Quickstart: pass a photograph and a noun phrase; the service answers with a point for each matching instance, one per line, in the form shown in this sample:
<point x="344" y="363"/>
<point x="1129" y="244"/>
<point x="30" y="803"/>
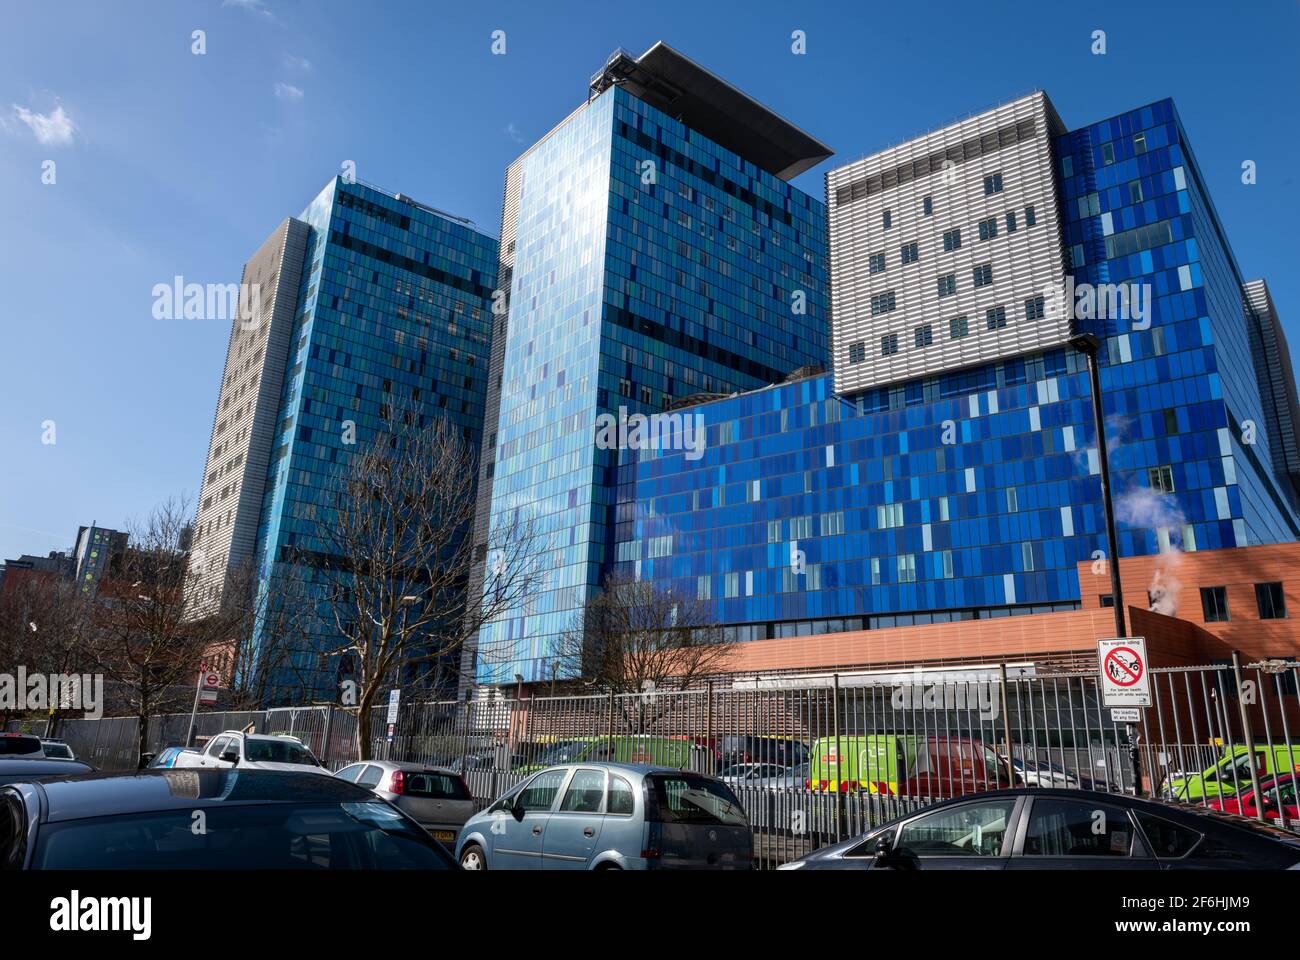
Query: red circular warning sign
<point x="1123" y="666"/>
<point x="212" y="680"/>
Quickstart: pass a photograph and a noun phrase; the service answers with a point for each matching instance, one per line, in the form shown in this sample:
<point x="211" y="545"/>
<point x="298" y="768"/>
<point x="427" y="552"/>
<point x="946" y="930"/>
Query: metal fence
<point x="815" y="759"/>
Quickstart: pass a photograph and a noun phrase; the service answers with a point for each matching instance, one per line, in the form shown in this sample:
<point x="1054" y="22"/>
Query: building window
<point x="927" y="206"/>
<point x="1108" y="153"/>
<point x="908" y="253"/>
<point x="924" y="336"/>
<point x="1030" y="219"/>
<point x="887" y="219"/>
<point x="889" y="516"/>
<point x="995" y="317"/>
<point x="958" y="327"/>
<point x="882" y="303"/>
<point x="1106" y="600"/>
<point x="988" y="228"/>
<point x="906" y="568"/>
<point x="1135" y="191"/>
<point x="704" y="588"/>
<point x="1161" y="478"/>
<point x="1067" y="166"/>
<point x="1140" y="143"/>
<point x="875" y="571"/>
<point x="876" y="263"/>
<point x="952" y="239"/>
<point x="1027" y="556"/>
<point x="1011" y="221"/>
<point x="1214" y="604"/>
<point x="992" y="184"/>
<point x="889" y="344"/>
<point x="948" y="285"/>
<point x="858" y="351"/>
<point x="982" y="275"/>
<point x="1271" y="601"/>
<point x="1171" y="421"/>
<point x="1013" y="501"/>
<point x="1034" y="308"/>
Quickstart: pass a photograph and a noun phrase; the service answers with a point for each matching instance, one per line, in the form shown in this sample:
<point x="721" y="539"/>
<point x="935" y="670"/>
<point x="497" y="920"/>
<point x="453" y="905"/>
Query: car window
<point x="969" y="830"/>
<point x="689" y="798"/>
<point x="1169" y="840"/>
<point x="13" y="821"/>
<point x="435" y="786"/>
<point x="19" y="745"/>
<point x="370" y="777"/>
<point x="350" y="773"/>
<point x="284" y="836"/>
<point x="585" y="792"/>
<point x="59" y="751"/>
<point x="216" y="747"/>
<point x="540" y="793"/>
<point x="1077" y="828"/>
<point x="278" y="751"/>
<point x="621" y="802"/>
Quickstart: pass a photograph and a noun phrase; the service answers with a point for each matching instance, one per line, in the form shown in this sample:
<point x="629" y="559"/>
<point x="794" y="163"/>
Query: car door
<point x="571" y="835"/>
<point x="517" y="839"/>
<point x="1068" y="833"/>
<point x="965" y="836"/>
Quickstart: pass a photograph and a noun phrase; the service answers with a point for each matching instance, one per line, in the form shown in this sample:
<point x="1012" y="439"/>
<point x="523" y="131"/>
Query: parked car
<point x="251" y="750"/>
<point x="1032" y="828"/>
<point x="610" y="816"/>
<point x="908" y="765"/>
<point x="434" y="797"/>
<point x="681" y="752"/>
<point x="166" y="757"/>
<point x="253" y="820"/>
<point x="57" y="749"/>
<point x="782" y="751"/>
<point x="1279" y="800"/>
<point x="21" y="745"/>
<point x="13" y="769"/>
<point x="766" y="776"/>
<point x="1231" y="772"/>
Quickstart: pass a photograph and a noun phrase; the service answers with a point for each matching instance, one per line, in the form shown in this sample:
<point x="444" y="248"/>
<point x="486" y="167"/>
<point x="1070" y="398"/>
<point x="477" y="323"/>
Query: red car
<point x="1279" y="800"/>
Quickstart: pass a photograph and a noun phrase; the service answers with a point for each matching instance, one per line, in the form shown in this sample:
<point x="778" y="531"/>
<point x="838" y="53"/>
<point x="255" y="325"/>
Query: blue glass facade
<point x="976" y="492"/>
<point x="650" y="264"/>
<point x="393" y="312"/>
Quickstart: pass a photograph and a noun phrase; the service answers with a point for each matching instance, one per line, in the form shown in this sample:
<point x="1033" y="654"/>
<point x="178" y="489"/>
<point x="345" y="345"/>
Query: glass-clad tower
<point x="972" y="489"/>
<point x="652" y="249"/>
<point x="390" y="307"/>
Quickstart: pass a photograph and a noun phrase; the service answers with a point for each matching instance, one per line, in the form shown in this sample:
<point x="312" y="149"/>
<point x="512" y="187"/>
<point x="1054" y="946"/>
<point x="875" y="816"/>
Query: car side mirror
<point x="517" y="810"/>
<point x="145" y="760"/>
<point x="884" y="848"/>
<point x="229" y="756"/>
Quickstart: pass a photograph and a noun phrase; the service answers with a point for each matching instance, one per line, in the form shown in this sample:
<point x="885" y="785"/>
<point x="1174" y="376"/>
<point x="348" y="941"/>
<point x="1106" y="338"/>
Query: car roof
<point x="41" y="767"/>
<point x="110" y="794"/>
<point x="406" y="766"/>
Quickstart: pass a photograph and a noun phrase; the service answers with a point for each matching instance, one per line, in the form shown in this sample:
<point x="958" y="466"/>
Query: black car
<point x="1032" y="828"/>
<point x="39" y="768"/>
<point x="782" y="751"/>
<point x="208" y="820"/>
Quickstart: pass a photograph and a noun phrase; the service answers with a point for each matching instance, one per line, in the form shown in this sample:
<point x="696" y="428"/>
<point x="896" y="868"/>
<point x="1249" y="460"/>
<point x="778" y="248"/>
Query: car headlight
<point x="793" y="865"/>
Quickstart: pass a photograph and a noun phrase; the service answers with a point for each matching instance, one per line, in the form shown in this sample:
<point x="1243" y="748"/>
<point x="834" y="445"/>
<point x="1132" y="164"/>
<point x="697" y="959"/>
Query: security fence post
<point x="1006" y="729"/>
<point x="1248" y="737"/>
<point x="839" y="760"/>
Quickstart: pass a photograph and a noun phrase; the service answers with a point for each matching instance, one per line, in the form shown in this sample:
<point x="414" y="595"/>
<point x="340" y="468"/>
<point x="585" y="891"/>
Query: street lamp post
<point x="1088" y="345"/>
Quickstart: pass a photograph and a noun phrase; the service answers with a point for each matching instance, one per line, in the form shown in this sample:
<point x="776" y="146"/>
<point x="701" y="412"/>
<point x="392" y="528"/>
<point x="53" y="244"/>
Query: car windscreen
<point x="683" y="798"/>
<point x="19" y="746"/>
<point x="57" y="751"/>
<point x="277" y="751"/>
<point x="435" y="786"/>
<point x="284" y="836"/>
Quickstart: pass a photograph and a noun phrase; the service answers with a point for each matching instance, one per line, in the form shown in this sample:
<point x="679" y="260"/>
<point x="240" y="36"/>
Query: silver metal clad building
<point x="941" y="247"/>
<point x="243" y="428"/>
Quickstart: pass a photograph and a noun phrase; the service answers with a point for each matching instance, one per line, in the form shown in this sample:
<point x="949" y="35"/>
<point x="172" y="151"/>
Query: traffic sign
<point x="1126" y="715"/>
<point x="1123" y="668"/>
<point x="393" y="697"/>
<point x="211" y="680"/>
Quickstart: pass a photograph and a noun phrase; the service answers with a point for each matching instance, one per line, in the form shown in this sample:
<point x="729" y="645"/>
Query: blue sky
<point x="170" y="163"/>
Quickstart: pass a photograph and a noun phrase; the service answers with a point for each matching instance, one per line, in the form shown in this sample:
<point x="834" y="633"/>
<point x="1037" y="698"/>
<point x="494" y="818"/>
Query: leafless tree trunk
<point x="633" y="637"/>
<point x="396" y="555"/>
<point x="42" y="623"/>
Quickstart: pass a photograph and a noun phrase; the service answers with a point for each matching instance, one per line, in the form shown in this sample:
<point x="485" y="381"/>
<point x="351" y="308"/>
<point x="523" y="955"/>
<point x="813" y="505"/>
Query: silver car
<point x="610" y="816"/>
<point x="435" y="797"/>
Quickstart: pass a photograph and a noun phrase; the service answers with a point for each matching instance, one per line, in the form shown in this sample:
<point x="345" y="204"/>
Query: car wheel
<point x="609" y="866"/>
<point x="472" y="858"/>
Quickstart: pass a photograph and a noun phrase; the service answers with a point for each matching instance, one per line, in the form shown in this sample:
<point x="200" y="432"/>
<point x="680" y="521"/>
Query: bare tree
<point x="140" y="637"/>
<point x="42" y="624"/>
<point x="396" y="556"/>
<point x="633" y="637"/>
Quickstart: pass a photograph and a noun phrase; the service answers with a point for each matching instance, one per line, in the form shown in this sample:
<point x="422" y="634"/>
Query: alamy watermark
<point x="24" y="691"/>
<point x="1126" y="302"/>
<point x="209" y="301"/>
<point x="655" y="431"/>
<point x="923" y="693"/>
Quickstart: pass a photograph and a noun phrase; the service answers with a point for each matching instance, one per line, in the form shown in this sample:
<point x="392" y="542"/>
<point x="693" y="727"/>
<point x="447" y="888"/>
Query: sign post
<point x="205" y="691"/>
<point x="394" y="698"/>
<point x="1126" y="684"/>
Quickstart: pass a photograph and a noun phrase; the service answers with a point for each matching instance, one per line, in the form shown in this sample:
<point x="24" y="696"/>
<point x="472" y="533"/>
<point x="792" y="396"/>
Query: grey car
<point x="434" y="797"/>
<point x="610" y="816"/>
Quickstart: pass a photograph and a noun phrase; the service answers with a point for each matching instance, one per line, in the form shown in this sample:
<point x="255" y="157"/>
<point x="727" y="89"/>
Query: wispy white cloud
<point x="287" y="91"/>
<point x="301" y="64"/>
<point x="252" y="6"/>
<point x="513" y="133"/>
<point x="53" y="129"/>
